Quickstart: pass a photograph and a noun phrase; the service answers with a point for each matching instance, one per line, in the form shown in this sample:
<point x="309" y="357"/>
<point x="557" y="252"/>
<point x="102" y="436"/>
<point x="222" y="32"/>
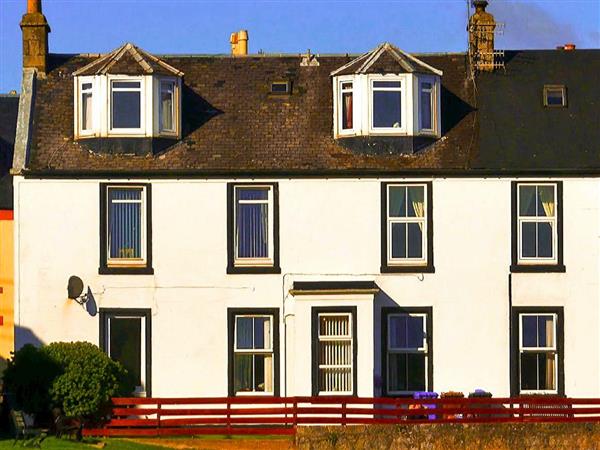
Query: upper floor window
<point x="126" y="105"/>
<point x="125" y="238"/>
<point x="536" y="225"/>
<point x="407" y="227"/>
<point x="253" y="242"/>
<point x="386" y="100"/>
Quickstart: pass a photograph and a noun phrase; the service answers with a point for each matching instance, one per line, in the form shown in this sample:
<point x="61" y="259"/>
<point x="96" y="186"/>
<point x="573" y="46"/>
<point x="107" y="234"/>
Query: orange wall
<point x="6" y="284"/>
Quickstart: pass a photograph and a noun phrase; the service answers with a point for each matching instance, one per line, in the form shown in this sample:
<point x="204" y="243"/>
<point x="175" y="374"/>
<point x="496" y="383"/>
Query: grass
<point x="52" y="443"/>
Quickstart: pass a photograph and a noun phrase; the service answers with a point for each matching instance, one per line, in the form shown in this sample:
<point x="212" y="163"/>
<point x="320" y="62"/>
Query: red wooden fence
<point x="282" y="415"/>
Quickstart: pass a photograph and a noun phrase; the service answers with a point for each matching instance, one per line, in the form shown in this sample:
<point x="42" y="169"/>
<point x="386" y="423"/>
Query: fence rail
<point x="282" y="415"/>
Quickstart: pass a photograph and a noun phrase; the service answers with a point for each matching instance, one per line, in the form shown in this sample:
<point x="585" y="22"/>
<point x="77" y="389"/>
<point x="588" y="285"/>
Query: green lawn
<point x="52" y="443"/>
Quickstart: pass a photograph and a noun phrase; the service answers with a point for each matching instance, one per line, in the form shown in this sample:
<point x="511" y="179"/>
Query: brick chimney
<point x="35" y="37"/>
<point x="239" y="43"/>
<point x="481" y="37"/>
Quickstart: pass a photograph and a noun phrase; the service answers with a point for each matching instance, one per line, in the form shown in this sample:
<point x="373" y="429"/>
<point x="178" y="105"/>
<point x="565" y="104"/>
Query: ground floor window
<point x="125" y="337"/>
<point x="407" y="350"/>
<point x="253" y="353"/>
<point x="334" y="351"/>
<point x="538" y="350"/>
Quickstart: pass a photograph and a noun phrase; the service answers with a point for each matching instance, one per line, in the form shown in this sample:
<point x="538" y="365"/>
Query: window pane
<point x="86" y="111"/>
<point x="397" y="332"/>
<point x="529" y="371"/>
<point x="387" y="84"/>
<point x="252" y="193"/>
<point x="415" y="333"/>
<point x="545" y="201"/>
<point x="416" y="201"/>
<point x="544" y="235"/>
<point x="545" y="331"/>
<point x="347" y="110"/>
<point x="554" y="97"/>
<point x="399" y="240"/>
<point x="262" y="333"/>
<point x="406" y="332"/>
<point x="242" y="372"/>
<point x="528" y="239"/>
<point x="538" y="371"/>
<point x="527" y="194"/>
<point x="252" y="231"/>
<point x="397" y="201"/>
<point x="387" y="109"/>
<point x="244" y="332"/>
<point x="166" y="106"/>
<point x="529" y="331"/>
<point x="415" y="240"/>
<point x="335" y="379"/>
<point x="426" y="109"/>
<point x="126" y="110"/>
<point x="126" y="84"/>
<point x="124" y="223"/>
<point x="126" y="345"/>
<point x="406" y="372"/>
<point x="86" y="86"/>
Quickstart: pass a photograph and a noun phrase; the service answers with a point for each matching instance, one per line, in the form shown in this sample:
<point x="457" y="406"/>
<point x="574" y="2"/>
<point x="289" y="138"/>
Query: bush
<point x="75" y="376"/>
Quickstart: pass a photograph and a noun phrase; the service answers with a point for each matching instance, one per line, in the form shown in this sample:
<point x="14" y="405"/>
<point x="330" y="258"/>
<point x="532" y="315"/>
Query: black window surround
<point x="107" y="313"/>
<point x="514" y="344"/>
<point x="315" y="311"/>
<point x="232" y="268"/>
<point x="536" y="268"/>
<point x="104" y="268"/>
<point x="406" y="268"/>
<point x="385" y="313"/>
<point x="231" y="314"/>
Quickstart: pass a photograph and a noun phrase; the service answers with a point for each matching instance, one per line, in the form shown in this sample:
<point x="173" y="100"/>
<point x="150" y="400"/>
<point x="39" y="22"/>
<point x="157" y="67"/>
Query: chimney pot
<point x="569" y="47"/>
<point x="34" y="6"/>
<point x="239" y="43"/>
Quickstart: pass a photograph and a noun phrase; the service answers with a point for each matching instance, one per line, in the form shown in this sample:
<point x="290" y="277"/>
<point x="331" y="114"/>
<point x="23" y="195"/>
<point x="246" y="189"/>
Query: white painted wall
<point x="329" y="229"/>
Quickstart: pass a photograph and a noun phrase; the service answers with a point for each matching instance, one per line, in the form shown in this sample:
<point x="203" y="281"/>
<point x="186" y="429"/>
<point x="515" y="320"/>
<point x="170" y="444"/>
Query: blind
<point x="125" y="223"/>
<point x="335" y="353"/>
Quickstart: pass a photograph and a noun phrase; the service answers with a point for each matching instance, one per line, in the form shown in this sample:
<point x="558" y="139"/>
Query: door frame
<point x="107" y="313"/>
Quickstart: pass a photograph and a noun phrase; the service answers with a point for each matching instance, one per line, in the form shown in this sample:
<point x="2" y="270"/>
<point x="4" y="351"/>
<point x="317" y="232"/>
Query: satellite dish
<point x="75" y="287"/>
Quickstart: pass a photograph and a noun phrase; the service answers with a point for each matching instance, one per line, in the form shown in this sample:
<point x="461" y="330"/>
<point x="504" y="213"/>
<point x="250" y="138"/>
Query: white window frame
<point x="255" y="262"/>
<point x="433" y="101"/>
<point x="555" y="87"/>
<point x="340" y="109"/>
<point x="537" y="219"/>
<point x="139" y="390"/>
<point x="348" y="337"/>
<point x="419" y="220"/>
<point x="552" y="349"/>
<point x="174" y="105"/>
<point x="403" y="112"/>
<point x="79" y="101"/>
<point x="424" y="349"/>
<point x="128" y="262"/>
<point x="251" y="351"/>
<point x="141" y="90"/>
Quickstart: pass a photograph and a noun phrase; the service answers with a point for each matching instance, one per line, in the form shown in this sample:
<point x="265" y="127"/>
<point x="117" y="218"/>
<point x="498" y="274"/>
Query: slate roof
<point x="232" y="125"/>
<point x="9" y="107"/>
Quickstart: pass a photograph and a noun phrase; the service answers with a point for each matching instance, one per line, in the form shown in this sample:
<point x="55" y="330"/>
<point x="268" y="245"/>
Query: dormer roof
<point x="128" y="60"/>
<point x="386" y="58"/>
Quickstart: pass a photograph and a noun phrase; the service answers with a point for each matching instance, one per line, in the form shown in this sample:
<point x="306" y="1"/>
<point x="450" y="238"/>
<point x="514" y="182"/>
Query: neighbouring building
<point x="373" y="224"/>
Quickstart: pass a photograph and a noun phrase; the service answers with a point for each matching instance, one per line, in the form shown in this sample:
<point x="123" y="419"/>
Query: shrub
<point x="75" y="376"/>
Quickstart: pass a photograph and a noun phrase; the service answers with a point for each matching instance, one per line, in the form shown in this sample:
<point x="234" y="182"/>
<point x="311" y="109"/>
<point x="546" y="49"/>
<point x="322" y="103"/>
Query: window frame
<point x="232" y="314"/>
<point x="115" y="266"/>
<point x="433" y="103"/>
<point x="529" y="264"/>
<point x="516" y="347"/>
<point x="80" y="81"/>
<point x="237" y="265"/>
<point x="316" y="312"/>
<point x="341" y="131"/>
<point x="142" y="90"/>
<point x="407" y="265"/>
<point x="287" y="84"/>
<point x="403" y="111"/>
<point x="386" y="314"/>
<point x="174" y="106"/>
<point x="554" y="87"/>
<point x="106" y="314"/>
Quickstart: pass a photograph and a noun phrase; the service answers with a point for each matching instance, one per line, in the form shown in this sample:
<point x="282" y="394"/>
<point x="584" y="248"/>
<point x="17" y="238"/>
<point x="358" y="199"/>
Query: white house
<point x="302" y="225"/>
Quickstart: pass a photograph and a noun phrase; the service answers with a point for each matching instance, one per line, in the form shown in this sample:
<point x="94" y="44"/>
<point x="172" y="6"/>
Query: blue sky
<point x="196" y="26"/>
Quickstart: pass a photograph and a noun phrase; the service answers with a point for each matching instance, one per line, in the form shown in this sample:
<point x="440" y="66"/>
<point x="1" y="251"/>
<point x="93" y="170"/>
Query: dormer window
<point x="386" y="105"/>
<point x="555" y="96"/>
<point x="144" y="103"/>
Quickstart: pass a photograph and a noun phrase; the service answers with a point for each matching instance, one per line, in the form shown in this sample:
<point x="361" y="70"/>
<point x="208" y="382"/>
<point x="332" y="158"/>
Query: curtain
<point x="335" y="354"/>
<point x="417" y="198"/>
<point x="347" y="110"/>
<point x="426" y="108"/>
<point x="252" y="227"/>
<point x="86" y="111"/>
<point x="550" y="382"/>
<point x="125" y="220"/>
<point x="166" y="107"/>
<point x="268" y="374"/>
<point x="546" y="194"/>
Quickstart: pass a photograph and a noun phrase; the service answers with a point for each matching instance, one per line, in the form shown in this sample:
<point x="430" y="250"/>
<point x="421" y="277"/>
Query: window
<point x="407" y="225"/>
<point x="126" y="98"/>
<point x="253" y="242"/>
<point x="125" y="336"/>
<point x="426" y="106"/>
<point x="125" y="239"/>
<point x="334" y="358"/>
<point x="280" y="87"/>
<point x="166" y="116"/>
<point x="86" y="107"/>
<point x="407" y="350"/>
<point x="387" y="104"/>
<point x="253" y="351"/>
<point x="537" y="224"/>
<point x="555" y="96"/>
<point x="539" y="362"/>
<point x="347" y="105"/>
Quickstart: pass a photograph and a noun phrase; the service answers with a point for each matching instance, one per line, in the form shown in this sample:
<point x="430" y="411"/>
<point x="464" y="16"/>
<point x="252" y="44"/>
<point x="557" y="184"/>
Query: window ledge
<point x="407" y="269"/>
<point x="233" y="270"/>
<point x="538" y="268"/>
<point x="125" y="271"/>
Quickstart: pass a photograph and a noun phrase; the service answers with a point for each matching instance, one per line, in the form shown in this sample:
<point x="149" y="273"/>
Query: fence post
<point x="295" y="414"/>
<point x="158" y="405"/>
<point x="344" y="404"/>
<point x="228" y="417"/>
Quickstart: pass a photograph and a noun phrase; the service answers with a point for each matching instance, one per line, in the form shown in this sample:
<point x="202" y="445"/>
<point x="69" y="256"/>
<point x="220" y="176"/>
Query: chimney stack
<point x="481" y="37"/>
<point x="239" y="43"/>
<point x="35" y="30"/>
